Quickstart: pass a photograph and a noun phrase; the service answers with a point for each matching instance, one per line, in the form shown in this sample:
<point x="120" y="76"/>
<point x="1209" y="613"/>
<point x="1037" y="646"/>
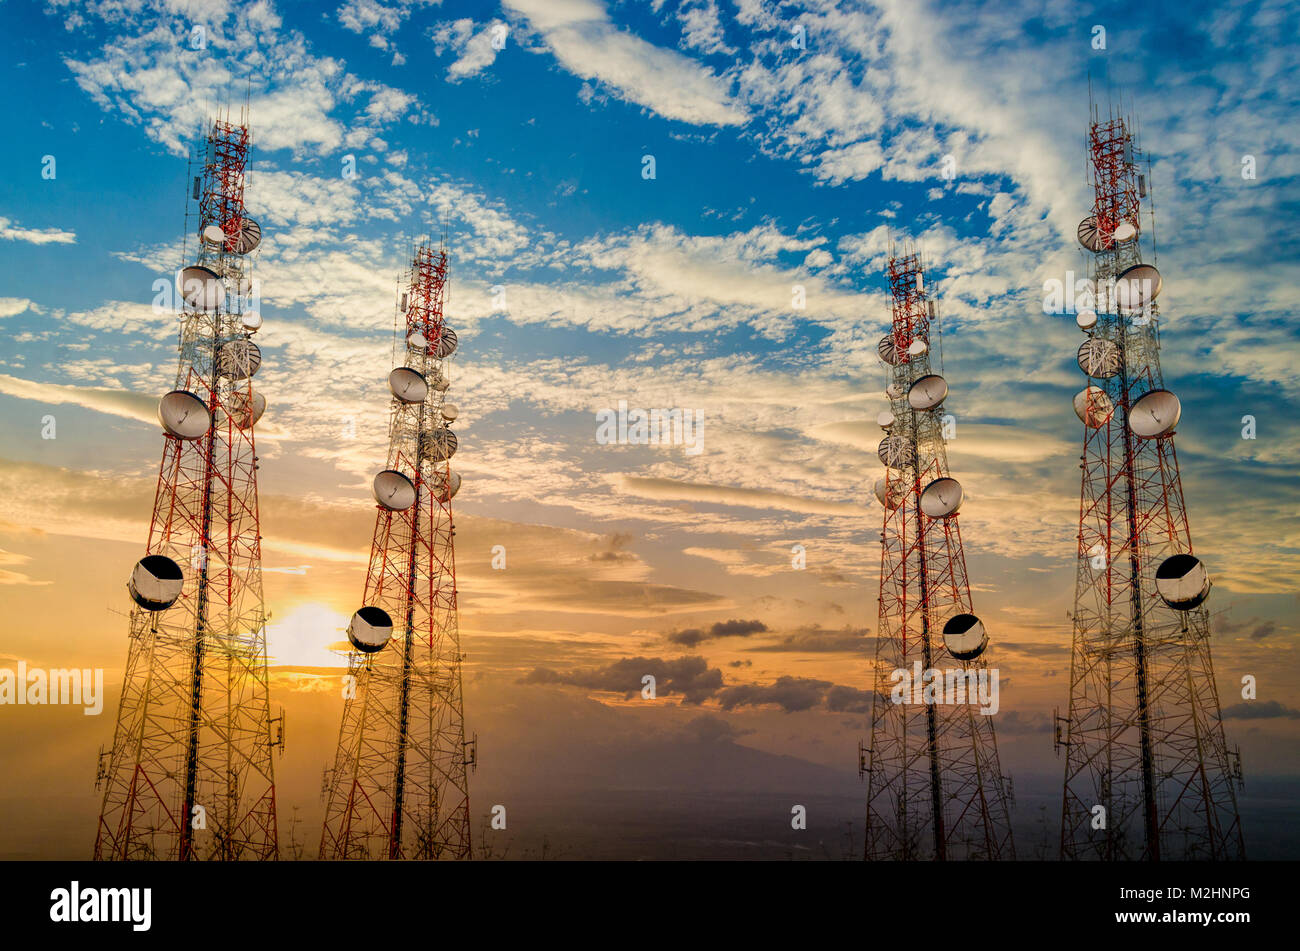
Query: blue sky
<point x="775" y="166"/>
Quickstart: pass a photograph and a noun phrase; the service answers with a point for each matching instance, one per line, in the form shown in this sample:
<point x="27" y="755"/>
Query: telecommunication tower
<point x="935" y="786"/>
<point x="189" y="774"/>
<point x="1148" y="772"/>
<point x="399" y="786"/>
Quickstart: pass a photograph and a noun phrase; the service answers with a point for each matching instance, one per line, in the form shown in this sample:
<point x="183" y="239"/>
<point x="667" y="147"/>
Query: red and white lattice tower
<point x="189" y="774"/>
<point x="399" y="786"/>
<point x="1148" y="773"/>
<point x="935" y="787"/>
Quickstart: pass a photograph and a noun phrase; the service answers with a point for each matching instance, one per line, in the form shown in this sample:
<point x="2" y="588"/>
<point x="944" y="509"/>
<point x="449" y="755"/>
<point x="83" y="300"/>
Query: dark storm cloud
<point x="734" y="628"/>
<point x="690" y="677"/>
<point x="1260" y="710"/>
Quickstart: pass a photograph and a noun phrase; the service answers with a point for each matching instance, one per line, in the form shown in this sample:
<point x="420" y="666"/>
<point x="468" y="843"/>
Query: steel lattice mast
<point x="935" y="786"/>
<point x="1144" y="739"/>
<point x="399" y="787"/>
<point x="189" y="774"/>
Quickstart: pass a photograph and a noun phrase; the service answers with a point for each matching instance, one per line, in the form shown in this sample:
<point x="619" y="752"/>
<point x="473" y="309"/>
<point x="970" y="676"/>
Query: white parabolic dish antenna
<point x="1137" y="286"/>
<point x="882" y="488"/>
<point x="885" y="419"/>
<point x="894" y="451"/>
<point x="408" y="385"/>
<point x="201" y="288"/>
<point x="965" y="637"/>
<point x="251" y="321"/>
<point x="1098" y="358"/>
<point x="887" y="350"/>
<point x="439" y="445"/>
<point x="450" y="411"/>
<point x="1125" y="231"/>
<point x="394" y="491"/>
<point x="453" y="481"/>
<point x="1093" y="406"/>
<point x="927" y="392"/>
<point x="247" y="237"/>
<point x="239" y="359"/>
<point x="446" y="343"/>
<point x="212" y="234"/>
<point x="415" y="340"/>
<point x="245" y="411"/>
<point x="1182" y="582"/>
<point x="184" y="415"/>
<point x="1155" y="414"/>
<point x="1089" y="236"/>
<point x="370" y="629"/>
<point x="156" y="582"/>
<point x="893" y="391"/>
<point x="941" y="498"/>
<point x="1086" y="319"/>
<point x="916" y="347"/>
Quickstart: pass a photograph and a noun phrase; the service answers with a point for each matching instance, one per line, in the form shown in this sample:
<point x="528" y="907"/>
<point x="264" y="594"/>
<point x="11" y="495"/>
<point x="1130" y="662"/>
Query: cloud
<point x="1260" y="710"/>
<point x="689" y="677"/>
<point x="814" y="639"/>
<point x="10" y="230"/>
<point x="653" y="488"/>
<point x="587" y="44"/>
<point x="791" y="694"/>
<point x="692" y="637"/>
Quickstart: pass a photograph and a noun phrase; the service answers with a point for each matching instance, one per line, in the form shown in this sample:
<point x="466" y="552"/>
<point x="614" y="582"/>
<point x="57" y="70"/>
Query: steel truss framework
<point x="935" y="786"/>
<point x="189" y="774"/>
<point x="399" y="788"/>
<point x="1143" y="738"/>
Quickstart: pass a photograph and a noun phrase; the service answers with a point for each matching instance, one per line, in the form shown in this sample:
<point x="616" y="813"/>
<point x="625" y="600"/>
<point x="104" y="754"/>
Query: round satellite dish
<point x="1155" y="414"/>
<point x="916" y="348"/>
<point x="201" y="288"/>
<point x="238" y="359"/>
<point x="370" y="629"/>
<point x="450" y="411"/>
<point x="1086" y="319"/>
<point x="893" y="391"/>
<point x="408" y="385"/>
<point x="964" y="636"/>
<point x="1093" y="406"/>
<point x="895" y="452"/>
<point x="885" y="419"/>
<point x="394" y="491"/>
<point x="184" y="415"/>
<point x="1137" y="286"/>
<point x="882" y="490"/>
<point x="927" y="392"/>
<point x="941" y="498"/>
<point x="1089" y="236"/>
<point x="246" y="409"/>
<point x="446" y="343"/>
<point x="251" y="321"/>
<point x="453" y="482"/>
<point x="416" y="341"/>
<point x="212" y="234"/>
<point x="247" y="236"/>
<point x="888" y="351"/>
<point x="1098" y="358"/>
<point x="1182" y="582"/>
<point x="1125" y="231"/>
<point x="156" y="582"/>
<point x="438" y="445"/>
